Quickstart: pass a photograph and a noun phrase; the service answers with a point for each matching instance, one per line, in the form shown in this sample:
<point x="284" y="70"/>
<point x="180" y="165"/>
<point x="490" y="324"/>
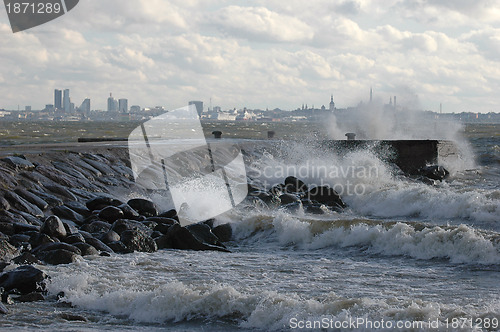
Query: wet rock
<point x="156" y="234"/>
<point x="56" y="246"/>
<point x="69" y="169"/>
<point x="53" y="227"/>
<point x="315" y="208"/>
<point x="18" y="163"/>
<point x="18" y="240"/>
<point x="169" y="214"/>
<point x="99" y="245"/>
<point x="100" y="202"/>
<point x="60" y="177"/>
<point x="7" y="250"/>
<point x="143" y="206"/>
<point x="163" y="224"/>
<point x="292" y="207"/>
<point x="288" y="199"/>
<point x="60" y="190"/>
<point x="97" y="227"/>
<point x="51" y="199"/>
<point x="7" y="179"/>
<point x="165" y="241"/>
<point x="59" y="256"/>
<point x="119" y="247"/>
<point x="137" y="240"/>
<point x="86" y="249"/>
<point x="269" y="199"/>
<point x="32" y="220"/>
<point x="78" y="208"/>
<point x="294" y="185"/>
<point x="26" y="279"/>
<point x="26" y="258"/>
<point x="128" y="211"/>
<point x="65" y="212"/>
<point x="88" y="168"/>
<point x="122" y="225"/>
<point x="182" y="238"/>
<point x="72" y="317"/>
<point x="100" y="166"/>
<point x="326" y="195"/>
<point x="33" y="199"/>
<point x="434" y="172"/>
<point x="74" y="238"/>
<point x="223" y="232"/>
<point x="111" y="214"/>
<point x="7" y="228"/>
<point x="23" y="228"/>
<point x="70" y="226"/>
<point x="3" y="309"/>
<point x="4" y="204"/>
<point x="31" y="297"/>
<point x="10" y="216"/>
<point x="40" y="239"/>
<point x="23" y="205"/>
<point x="204" y="234"/>
<point x="110" y="236"/>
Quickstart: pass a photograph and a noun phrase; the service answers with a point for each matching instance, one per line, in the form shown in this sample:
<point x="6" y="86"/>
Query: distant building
<point x="112" y="104"/>
<point x="332" y="104"/>
<point x="58" y="99"/>
<point x="123" y="105"/>
<point x="85" y="107"/>
<point x="27" y="108"/>
<point x="135" y="109"/>
<point x="66" y="101"/>
<point x="199" y="106"/>
<point x="217" y="109"/>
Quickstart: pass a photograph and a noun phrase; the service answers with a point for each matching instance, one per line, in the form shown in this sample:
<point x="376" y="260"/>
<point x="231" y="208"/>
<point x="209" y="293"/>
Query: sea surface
<point x="403" y="254"/>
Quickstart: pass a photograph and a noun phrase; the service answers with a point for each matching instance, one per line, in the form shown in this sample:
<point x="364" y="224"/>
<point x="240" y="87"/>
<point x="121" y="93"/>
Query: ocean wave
<point x="460" y="244"/>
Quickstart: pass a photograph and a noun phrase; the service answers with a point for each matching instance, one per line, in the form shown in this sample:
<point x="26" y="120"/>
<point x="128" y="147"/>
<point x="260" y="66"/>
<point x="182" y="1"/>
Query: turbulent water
<point x="403" y="252"/>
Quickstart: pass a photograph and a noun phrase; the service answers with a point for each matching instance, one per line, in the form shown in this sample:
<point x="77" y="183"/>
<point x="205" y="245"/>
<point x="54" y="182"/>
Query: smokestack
<point x="394" y="102"/>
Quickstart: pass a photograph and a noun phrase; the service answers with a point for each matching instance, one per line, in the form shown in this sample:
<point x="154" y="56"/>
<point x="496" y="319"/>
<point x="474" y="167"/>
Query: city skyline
<point x="263" y="55"/>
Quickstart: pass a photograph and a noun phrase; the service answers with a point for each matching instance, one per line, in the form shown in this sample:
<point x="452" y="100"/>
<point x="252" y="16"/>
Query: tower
<point x="66" y="101"/>
<point x="332" y="104"/>
<point x="199" y="106"/>
<point x="58" y="99"/>
<point x="112" y="104"/>
<point x="122" y="105"/>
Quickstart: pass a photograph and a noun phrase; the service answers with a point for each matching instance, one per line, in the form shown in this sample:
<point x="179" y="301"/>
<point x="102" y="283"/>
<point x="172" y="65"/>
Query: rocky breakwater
<point x="58" y="206"/>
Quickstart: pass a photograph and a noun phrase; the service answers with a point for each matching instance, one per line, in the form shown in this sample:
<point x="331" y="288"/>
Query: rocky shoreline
<point x="59" y="205"/>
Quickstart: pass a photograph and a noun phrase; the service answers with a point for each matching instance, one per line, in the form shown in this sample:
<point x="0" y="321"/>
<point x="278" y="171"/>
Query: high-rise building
<point x="66" y="101"/>
<point x="123" y="105"/>
<point x="58" y="99"/>
<point x="199" y="106"/>
<point x="85" y="106"/>
<point x="112" y="104"/>
<point x="332" y="105"/>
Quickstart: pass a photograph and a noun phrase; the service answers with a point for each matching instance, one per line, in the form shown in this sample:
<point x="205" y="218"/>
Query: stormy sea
<point x="402" y="253"/>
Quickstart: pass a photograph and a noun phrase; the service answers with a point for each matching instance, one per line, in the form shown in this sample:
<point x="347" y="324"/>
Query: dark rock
<point x="169" y="214"/>
<point x="40" y="239"/>
<point x="32" y="220"/>
<point x="223" y="232"/>
<point x="10" y="216"/>
<point x="32" y="198"/>
<point x="78" y="208"/>
<point x="26" y="258"/>
<point x="111" y="214"/>
<point x="163" y="224"/>
<point x="60" y="190"/>
<point x="59" y="256"/>
<point x="51" y="199"/>
<point x="122" y="225"/>
<point x="288" y="199"/>
<point x="74" y="238"/>
<point x="7" y="250"/>
<point x="164" y="241"/>
<point x="22" y="228"/>
<point x="204" y="234"/>
<point x="69" y="169"/>
<point x="7" y="228"/>
<point x="25" y="279"/>
<point x="270" y="199"/>
<point x="86" y="235"/>
<point x="53" y="227"/>
<point x="100" y="166"/>
<point x="22" y="205"/>
<point x="67" y="213"/>
<point x="144" y="207"/>
<point x="315" y="208"/>
<point x="86" y="249"/>
<point x="292" y="207"/>
<point x="18" y="239"/>
<point x="128" y="211"/>
<point x="19" y="163"/>
<point x="156" y="234"/>
<point x="100" y="202"/>
<point x="7" y="179"/>
<point x="294" y="185"/>
<point x="325" y="195"/>
<point x="149" y="224"/>
<point x="72" y="317"/>
<point x="60" y="177"/>
<point x="85" y="194"/>
<point x="99" y="245"/>
<point x="277" y="189"/>
<point x="119" y="247"/>
<point x="110" y="236"/>
<point x="56" y="246"/>
<point x="31" y="297"/>
<point x="70" y="226"/>
<point x="3" y="309"/>
<point x="137" y="240"/>
<point x="4" y="204"/>
<point x="434" y="172"/>
<point x="182" y="238"/>
<point x="97" y="227"/>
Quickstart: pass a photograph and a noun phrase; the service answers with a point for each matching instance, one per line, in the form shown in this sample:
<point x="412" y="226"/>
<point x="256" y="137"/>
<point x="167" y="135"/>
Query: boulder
<point x="203" y="233"/>
<point x="111" y="214"/>
<point x="53" y="227"/>
<point x="22" y="205"/>
<point x="99" y="245"/>
<point x="181" y="238"/>
<point x="74" y="238"/>
<point x="56" y="246"/>
<point x="223" y="232"/>
<point x="143" y="206"/>
<point x="66" y="213"/>
<point x="128" y="211"/>
<point x="325" y="195"/>
<point x="288" y="199"/>
<point x="7" y="250"/>
<point x="100" y="202"/>
<point x="434" y="172"/>
<point x="294" y="185"/>
<point x="137" y="240"/>
<point x="31" y="297"/>
<point x="86" y="249"/>
<point x="26" y="258"/>
<point x="59" y="256"/>
<point x="97" y="227"/>
<point x="4" y="204"/>
<point x="32" y="198"/>
<point x="60" y="190"/>
<point x="19" y="163"/>
<point x="51" y="199"/>
<point x="25" y="279"/>
<point x="169" y="214"/>
<point x="122" y="225"/>
<point x="78" y="208"/>
<point x="110" y="236"/>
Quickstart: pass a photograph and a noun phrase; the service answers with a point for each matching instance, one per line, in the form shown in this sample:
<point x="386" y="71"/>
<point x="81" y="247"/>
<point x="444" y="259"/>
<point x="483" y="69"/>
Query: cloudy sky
<point x="259" y="54"/>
